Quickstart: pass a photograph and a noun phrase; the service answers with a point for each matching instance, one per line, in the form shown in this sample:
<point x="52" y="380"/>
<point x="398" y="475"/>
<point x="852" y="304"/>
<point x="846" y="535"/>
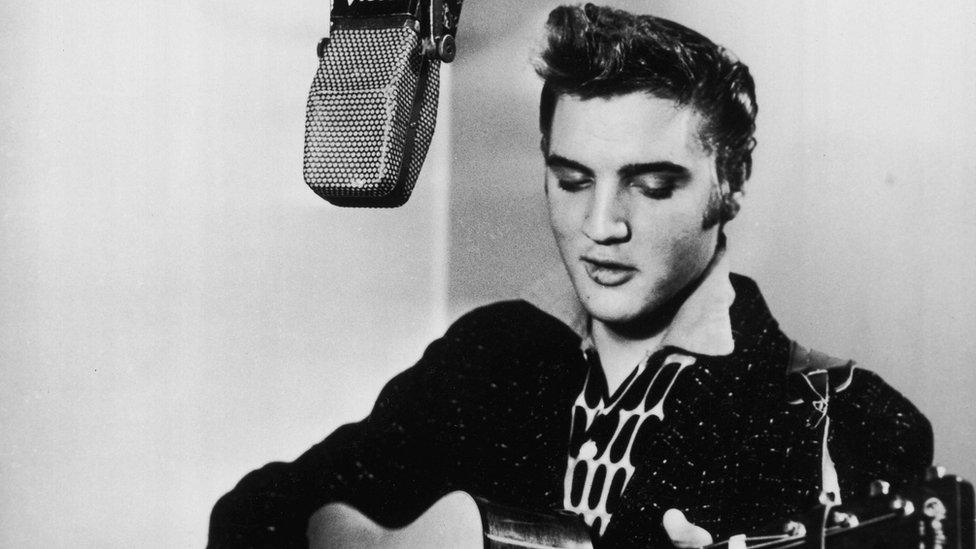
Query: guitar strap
<point x="804" y="360"/>
<point x="813" y="378"/>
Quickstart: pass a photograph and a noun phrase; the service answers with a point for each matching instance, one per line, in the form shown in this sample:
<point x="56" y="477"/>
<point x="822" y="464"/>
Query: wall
<point x="178" y="308"/>
<point x="858" y="222"/>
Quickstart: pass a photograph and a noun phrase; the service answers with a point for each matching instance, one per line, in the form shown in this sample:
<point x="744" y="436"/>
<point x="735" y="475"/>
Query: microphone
<point x="373" y="102"/>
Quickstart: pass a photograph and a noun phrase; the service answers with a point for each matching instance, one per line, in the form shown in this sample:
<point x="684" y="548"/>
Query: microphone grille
<point x="371" y="115"/>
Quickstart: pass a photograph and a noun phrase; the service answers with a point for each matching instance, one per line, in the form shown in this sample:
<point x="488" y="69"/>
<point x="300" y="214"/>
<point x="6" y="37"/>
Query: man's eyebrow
<point x="556" y="161"/>
<point x="662" y="167"/>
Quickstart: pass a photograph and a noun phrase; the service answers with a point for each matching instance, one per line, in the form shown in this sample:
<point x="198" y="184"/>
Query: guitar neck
<point x="938" y="514"/>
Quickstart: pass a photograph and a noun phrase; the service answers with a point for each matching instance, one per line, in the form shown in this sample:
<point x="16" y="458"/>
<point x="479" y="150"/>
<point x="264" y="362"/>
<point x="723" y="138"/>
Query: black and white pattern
<point x="604" y="430"/>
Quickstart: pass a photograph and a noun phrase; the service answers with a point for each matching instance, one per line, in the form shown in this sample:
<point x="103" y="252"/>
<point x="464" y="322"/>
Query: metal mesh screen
<point x="360" y="146"/>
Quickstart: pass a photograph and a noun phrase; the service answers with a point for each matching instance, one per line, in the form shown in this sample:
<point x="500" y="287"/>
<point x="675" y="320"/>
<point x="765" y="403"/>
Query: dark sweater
<point x="487" y="409"/>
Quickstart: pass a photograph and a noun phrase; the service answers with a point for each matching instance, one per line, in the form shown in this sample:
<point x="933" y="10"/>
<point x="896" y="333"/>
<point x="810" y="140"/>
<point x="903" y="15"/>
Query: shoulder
<point x="859" y="397"/>
<point x="511" y="322"/>
<point x="500" y="339"/>
<point x="505" y="362"/>
<point x="875" y="431"/>
<point x="878" y="433"/>
<point x="870" y="397"/>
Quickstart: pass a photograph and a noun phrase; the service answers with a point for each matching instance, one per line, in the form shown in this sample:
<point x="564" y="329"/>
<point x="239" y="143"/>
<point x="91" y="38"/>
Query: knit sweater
<point x="487" y="409"/>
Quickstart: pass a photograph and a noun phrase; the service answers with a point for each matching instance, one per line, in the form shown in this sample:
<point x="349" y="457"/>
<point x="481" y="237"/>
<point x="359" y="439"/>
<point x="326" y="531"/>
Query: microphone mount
<point x="440" y="42"/>
<point x="437" y="21"/>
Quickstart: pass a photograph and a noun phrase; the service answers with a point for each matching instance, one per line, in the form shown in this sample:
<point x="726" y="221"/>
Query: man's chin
<point x="623" y="312"/>
<point x="613" y="313"/>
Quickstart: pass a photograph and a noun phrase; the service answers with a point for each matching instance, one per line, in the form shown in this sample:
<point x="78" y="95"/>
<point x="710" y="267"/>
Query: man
<point x="659" y="381"/>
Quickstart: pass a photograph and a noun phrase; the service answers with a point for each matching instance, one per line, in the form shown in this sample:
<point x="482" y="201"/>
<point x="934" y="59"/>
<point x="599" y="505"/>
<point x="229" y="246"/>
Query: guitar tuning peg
<point x="906" y="507"/>
<point x="934" y="509"/>
<point x="737" y="542"/>
<point x="828" y="498"/>
<point x="879" y="488"/>
<point x="845" y="520"/>
<point x="795" y="529"/>
<point x="935" y="473"/>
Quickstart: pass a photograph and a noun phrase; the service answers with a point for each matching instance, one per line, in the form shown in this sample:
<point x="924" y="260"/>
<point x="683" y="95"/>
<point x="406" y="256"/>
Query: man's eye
<point x="573" y="185"/>
<point x="656" y="189"/>
<point x="657" y="193"/>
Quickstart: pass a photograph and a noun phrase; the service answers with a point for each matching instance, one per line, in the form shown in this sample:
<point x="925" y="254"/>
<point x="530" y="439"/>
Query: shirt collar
<point x="701" y="325"/>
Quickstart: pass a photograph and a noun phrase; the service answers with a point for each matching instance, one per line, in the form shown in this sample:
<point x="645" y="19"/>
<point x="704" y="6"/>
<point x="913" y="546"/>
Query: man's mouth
<point x="607" y="272"/>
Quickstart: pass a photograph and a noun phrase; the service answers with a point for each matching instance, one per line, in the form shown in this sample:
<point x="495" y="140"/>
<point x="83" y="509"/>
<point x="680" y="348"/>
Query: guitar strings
<point x="766" y="540"/>
<point x="786" y="541"/>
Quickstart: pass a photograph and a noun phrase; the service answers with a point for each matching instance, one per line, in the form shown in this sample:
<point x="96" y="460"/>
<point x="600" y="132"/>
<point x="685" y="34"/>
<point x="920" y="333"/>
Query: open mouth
<point x="608" y="273"/>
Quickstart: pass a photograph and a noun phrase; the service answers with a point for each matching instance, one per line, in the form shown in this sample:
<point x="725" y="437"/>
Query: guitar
<point x="937" y="514"/>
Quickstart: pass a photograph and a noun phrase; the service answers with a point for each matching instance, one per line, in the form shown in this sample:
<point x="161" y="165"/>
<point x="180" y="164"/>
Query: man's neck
<point x="623" y="347"/>
<point x="619" y="354"/>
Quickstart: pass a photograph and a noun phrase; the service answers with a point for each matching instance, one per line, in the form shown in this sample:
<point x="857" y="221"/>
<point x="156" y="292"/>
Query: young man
<point x="655" y="379"/>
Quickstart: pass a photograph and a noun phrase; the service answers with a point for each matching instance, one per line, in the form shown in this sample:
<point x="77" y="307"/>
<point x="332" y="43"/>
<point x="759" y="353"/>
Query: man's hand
<point x="683" y="533"/>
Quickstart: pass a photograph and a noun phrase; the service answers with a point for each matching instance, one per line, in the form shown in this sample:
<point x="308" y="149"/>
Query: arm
<point x="386" y="465"/>
<point x="493" y="395"/>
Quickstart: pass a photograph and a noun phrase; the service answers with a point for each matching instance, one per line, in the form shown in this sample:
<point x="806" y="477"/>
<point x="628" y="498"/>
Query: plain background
<point x="177" y="308"/>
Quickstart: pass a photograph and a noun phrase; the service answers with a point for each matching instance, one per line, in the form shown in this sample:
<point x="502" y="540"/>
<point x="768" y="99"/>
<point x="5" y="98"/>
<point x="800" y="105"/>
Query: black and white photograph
<point x="463" y="274"/>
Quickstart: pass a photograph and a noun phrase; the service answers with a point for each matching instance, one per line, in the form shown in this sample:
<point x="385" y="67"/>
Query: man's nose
<point x="606" y="218"/>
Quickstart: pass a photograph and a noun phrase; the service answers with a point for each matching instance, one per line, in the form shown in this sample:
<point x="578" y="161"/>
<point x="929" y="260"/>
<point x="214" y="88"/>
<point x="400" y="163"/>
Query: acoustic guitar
<point x="937" y="514"/>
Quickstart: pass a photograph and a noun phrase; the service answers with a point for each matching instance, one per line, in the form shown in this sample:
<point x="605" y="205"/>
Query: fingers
<point x="684" y="534"/>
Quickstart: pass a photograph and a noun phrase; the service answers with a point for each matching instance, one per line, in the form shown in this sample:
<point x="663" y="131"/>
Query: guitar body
<point x="454" y="521"/>
<point x="457" y="520"/>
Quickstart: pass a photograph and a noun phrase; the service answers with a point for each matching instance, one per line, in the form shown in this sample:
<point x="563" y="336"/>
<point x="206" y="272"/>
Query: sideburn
<point x="715" y="209"/>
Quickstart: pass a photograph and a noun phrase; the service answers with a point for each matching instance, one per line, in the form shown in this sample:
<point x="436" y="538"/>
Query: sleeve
<point x="876" y="434"/>
<point x="389" y="465"/>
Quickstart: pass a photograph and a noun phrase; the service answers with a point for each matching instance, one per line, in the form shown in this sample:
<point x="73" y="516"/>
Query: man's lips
<point x="607" y="272"/>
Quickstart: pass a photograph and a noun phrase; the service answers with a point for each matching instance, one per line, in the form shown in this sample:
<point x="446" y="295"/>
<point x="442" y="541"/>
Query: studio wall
<point x="177" y="308"/>
<point x="858" y="223"/>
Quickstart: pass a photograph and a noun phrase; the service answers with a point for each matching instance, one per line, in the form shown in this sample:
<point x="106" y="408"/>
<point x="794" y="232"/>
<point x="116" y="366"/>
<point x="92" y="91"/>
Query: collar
<point x="701" y="326"/>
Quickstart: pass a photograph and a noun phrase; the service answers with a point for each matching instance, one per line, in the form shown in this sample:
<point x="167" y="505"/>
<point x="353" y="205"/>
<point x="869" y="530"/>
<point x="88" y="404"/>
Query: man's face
<point x="629" y="186"/>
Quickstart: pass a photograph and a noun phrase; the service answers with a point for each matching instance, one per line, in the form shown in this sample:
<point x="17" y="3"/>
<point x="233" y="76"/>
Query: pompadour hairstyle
<point x="596" y="51"/>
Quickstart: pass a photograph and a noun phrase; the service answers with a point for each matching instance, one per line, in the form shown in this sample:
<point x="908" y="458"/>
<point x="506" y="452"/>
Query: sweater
<point x="488" y="409"/>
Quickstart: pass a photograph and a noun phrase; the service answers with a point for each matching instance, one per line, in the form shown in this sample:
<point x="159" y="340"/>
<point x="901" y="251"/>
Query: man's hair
<point x="596" y="51"/>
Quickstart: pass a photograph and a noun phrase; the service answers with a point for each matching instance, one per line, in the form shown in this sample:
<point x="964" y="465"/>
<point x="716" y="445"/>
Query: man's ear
<point x="730" y="205"/>
<point x="730" y="202"/>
